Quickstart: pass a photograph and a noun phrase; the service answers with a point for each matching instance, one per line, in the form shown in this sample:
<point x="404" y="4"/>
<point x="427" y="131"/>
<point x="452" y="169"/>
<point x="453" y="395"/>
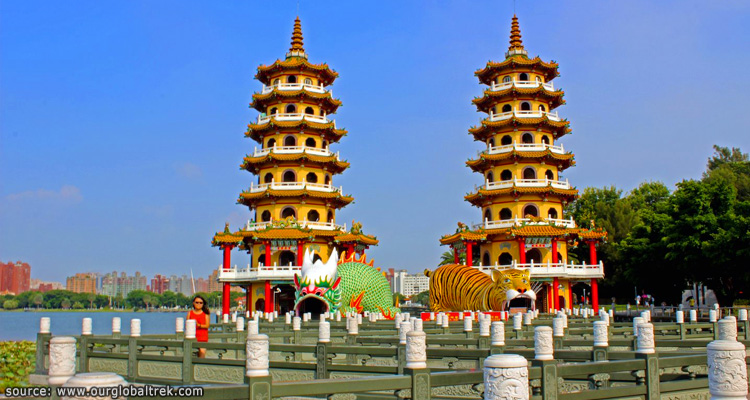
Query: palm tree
<point x="147" y="300"/>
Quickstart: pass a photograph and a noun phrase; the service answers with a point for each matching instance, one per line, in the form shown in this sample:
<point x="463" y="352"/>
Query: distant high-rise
<point x="15" y="277"/>
<point x="81" y="283"/>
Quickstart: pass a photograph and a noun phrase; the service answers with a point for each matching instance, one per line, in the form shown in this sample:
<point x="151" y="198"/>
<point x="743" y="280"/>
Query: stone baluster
<point x="403" y="330"/>
<point x="179" y="324"/>
<point x="62" y="359"/>
<point x="44" y="325"/>
<point x="135" y="327"/>
<point x="240" y="324"/>
<point x="727" y="371"/>
<point x="646" y="344"/>
<point x="527" y="318"/>
<point x="416" y="350"/>
<point x="116" y="325"/>
<point x="558" y="327"/>
<point x="352" y="326"/>
<point x="324" y="332"/>
<point x="439" y="319"/>
<point x="468" y="324"/>
<point x="190" y="326"/>
<point x="543" y="348"/>
<point x="742" y="314"/>
<point x="338" y="316"/>
<point x="432" y="316"/>
<point x="397" y="320"/>
<point x="497" y="334"/>
<point x="712" y="316"/>
<point x="517" y="322"/>
<point x="288" y="318"/>
<point x="601" y="336"/>
<point x="680" y="317"/>
<point x="296" y="323"/>
<point x="418" y="324"/>
<point x="271" y="317"/>
<point x="506" y="376"/>
<point x="94" y="379"/>
<point x="637" y="321"/>
<point x="86" y="327"/>
<point x="253" y="327"/>
<point x="484" y="326"/>
<point x="693" y="316"/>
<point x="225" y="318"/>
<point x="446" y="321"/>
<point x="256" y="348"/>
<point x="359" y="318"/>
<point x="234" y="317"/>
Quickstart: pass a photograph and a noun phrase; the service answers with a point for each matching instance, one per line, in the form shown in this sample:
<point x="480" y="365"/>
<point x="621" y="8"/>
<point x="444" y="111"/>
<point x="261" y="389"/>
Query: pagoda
<point x="523" y="196"/>
<point x="294" y="198"/>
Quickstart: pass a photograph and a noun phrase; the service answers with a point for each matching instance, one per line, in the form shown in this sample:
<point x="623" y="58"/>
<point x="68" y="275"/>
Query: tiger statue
<point x="455" y="287"/>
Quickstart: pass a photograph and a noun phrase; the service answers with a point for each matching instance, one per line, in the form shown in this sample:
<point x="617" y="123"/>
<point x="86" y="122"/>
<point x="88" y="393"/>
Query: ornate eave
<point x="490" y="97"/>
<point x="332" y="165"/>
<point x="251" y="199"/>
<point x="478" y="198"/>
<point x="296" y="65"/>
<point x="329" y="130"/>
<point x="324" y="100"/>
<point x="488" y="128"/>
<point x="517" y="63"/>
<point x="486" y="161"/>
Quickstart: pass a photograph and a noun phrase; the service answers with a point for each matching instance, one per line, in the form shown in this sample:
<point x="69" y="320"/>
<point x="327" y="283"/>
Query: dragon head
<point x="318" y="283"/>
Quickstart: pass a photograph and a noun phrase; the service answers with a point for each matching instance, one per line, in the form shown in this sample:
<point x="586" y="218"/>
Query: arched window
<point x="507" y="79"/>
<point x="506" y="175"/>
<point x="290" y="141"/>
<point x="276" y="81"/>
<point x="286" y="257"/>
<point x="291" y="79"/>
<point x="330" y="216"/>
<point x="527" y="138"/>
<point x="311" y="177"/>
<point x="310" y="142"/>
<point x="491" y="143"/>
<point x="534" y="256"/>
<point x="291" y="109"/>
<point x="261" y="259"/>
<point x="487" y="215"/>
<point x="271" y="143"/>
<point x="507" y="108"/>
<point x="549" y="175"/>
<point x="506" y="140"/>
<point x="486" y="258"/>
<point x="524" y="76"/>
<point x="265" y="216"/>
<point x="542" y="108"/>
<point x="289" y="176"/>
<point x="525" y="106"/>
<point x="505" y="259"/>
<point x="308" y="81"/>
<point x="490" y="177"/>
<point x="309" y="111"/>
<point x="545" y="139"/>
<point x="288" y="212"/>
<point x="313" y="216"/>
<point x="328" y="179"/>
<point x="506" y="214"/>
<point x="530" y="209"/>
<point x="529" y="173"/>
<point x="552" y="214"/>
<point x="273" y="111"/>
<point x="268" y="178"/>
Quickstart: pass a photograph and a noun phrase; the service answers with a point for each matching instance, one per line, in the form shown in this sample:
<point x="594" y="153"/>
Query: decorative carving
<point x="600" y="334"/>
<point x="44" y="325"/>
<point x="727" y="371"/>
<point x="256" y="349"/>
<point x="497" y="333"/>
<point x="62" y="359"/>
<point x="219" y="373"/>
<point x="119" y="367"/>
<point x="728" y="329"/>
<point x="416" y="350"/>
<point x="422" y="386"/>
<point x="506" y="376"/>
<point x="598" y="381"/>
<point x="324" y="332"/>
<point x="645" y="340"/>
<point x="543" y="348"/>
<point x="160" y="369"/>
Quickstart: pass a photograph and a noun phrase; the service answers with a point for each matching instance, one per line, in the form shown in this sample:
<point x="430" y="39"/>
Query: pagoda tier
<point x="545" y="189"/>
<point x="280" y="124"/>
<point x="519" y="91"/>
<point x="517" y="120"/>
<point x="522" y="153"/>
<point x="299" y="65"/>
<point x="280" y="95"/>
<point x="276" y="192"/>
<point x="300" y="155"/>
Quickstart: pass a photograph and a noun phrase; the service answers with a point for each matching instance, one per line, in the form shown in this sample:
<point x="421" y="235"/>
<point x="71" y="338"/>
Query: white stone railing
<point x="316" y="187"/>
<point x="294" y="87"/>
<point x="548" y="270"/>
<point x="524" y="147"/>
<point x="496" y="87"/>
<point x="285" y="272"/>
<point x="294" y="150"/>
<point x="323" y="226"/>
<point x="525" y="183"/>
<point x="522" y="114"/>
<point x="507" y="223"/>
<point x="263" y="119"/>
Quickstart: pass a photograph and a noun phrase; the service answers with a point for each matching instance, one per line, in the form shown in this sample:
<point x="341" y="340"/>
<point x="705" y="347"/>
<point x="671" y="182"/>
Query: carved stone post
<point x="404" y="329"/>
<point x="352" y="326"/>
<point x="497" y="334"/>
<point x="637" y="321"/>
<point x="179" y="325"/>
<point x="727" y="371"/>
<point x="324" y="332"/>
<point x="601" y="336"/>
<point x="87" y="326"/>
<point x="645" y="342"/>
<point x="240" y="324"/>
<point x="252" y="327"/>
<point x="742" y="314"/>
<point x="543" y="348"/>
<point x="135" y="327"/>
<point x="693" y="316"/>
<point x="416" y="350"/>
<point x="190" y="329"/>
<point x="296" y="323"/>
<point x="467" y="324"/>
<point x="62" y="359"/>
<point x="94" y="381"/>
<point x="256" y="348"/>
<point x="44" y="325"/>
<point x="527" y="317"/>
<point x="711" y="315"/>
<point x="484" y="326"/>
<point x="680" y="317"/>
<point x="517" y="322"/>
<point x="506" y="376"/>
<point x="418" y="324"/>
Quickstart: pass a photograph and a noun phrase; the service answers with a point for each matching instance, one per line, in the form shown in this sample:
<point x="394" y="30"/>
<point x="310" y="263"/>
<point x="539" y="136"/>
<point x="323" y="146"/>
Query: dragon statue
<point x="346" y="285"/>
<point x="455" y="287"/>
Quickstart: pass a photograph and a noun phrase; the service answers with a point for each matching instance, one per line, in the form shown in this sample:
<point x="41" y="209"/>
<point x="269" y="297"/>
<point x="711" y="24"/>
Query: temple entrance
<point x="534" y="256"/>
<point x="287" y="258"/>
<point x="561" y="302"/>
<point x="260" y="305"/>
<point x="542" y="302"/>
<point x="284" y="298"/>
<point x="312" y="305"/>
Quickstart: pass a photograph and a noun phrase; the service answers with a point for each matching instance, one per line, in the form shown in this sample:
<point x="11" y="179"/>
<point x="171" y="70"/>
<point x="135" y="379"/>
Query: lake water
<point x="25" y="325"/>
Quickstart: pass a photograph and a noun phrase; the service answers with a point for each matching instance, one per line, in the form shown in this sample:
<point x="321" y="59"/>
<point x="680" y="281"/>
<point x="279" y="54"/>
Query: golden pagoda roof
<point x="256" y="131"/>
<point x="324" y="100"/>
<point x="226" y="237"/>
<point x="334" y="165"/>
<point x="477" y="197"/>
<point x="355" y="235"/>
<point x="297" y="41"/>
<point x="291" y="229"/>
<point x="489" y="128"/>
<point x="525" y="230"/>
<point x="490" y="98"/>
<point x="338" y="200"/>
<point x="486" y="160"/>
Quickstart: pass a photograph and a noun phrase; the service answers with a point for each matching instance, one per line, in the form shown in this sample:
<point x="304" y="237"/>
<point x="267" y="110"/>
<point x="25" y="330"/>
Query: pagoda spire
<point x="297" y="48"/>
<point x="516" y="44"/>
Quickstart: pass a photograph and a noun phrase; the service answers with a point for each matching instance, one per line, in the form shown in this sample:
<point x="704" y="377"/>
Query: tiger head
<point x="515" y="283"/>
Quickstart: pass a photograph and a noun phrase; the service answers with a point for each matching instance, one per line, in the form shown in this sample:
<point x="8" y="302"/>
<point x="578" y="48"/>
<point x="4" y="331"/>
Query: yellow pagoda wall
<point x="323" y="250"/>
<point x="517" y="170"/>
<point x="498" y="247"/>
<point x="516" y="207"/>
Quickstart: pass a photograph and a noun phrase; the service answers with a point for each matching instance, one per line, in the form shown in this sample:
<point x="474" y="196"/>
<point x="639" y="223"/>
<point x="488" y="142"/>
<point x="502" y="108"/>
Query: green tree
<point x="78" y="305"/>
<point x="38" y="299"/>
<point x="65" y="304"/>
<point x="398" y="298"/>
<point x="91" y="297"/>
<point x="448" y="257"/>
<point x="10" y="304"/>
<point x="422" y="298"/>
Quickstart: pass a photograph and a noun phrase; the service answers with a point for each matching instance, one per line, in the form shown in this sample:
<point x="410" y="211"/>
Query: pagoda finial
<point x="516" y="44"/>
<point x="297" y="48"/>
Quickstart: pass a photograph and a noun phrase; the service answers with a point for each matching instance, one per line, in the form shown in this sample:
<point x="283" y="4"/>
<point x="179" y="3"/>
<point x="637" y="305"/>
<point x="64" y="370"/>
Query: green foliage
<point x="398" y="298"/>
<point x="10" y="304"/>
<point x="17" y="361"/>
<point x="448" y="257"/>
<point x="422" y="298"/>
<point x="78" y="305"/>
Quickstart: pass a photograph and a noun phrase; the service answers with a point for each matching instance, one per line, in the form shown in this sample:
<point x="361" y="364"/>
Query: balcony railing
<point x="525" y="183"/>
<point x="524" y="147"/>
<point x="548" y="270"/>
<point x="294" y="150"/>
<point x="323" y="226"/>
<point x="507" y="223"/>
<point x="262" y="272"/>
<point x="294" y="87"/>
<point x="316" y="187"/>
<point x="496" y="87"/>
<point x="523" y="114"/>
<point x="263" y="119"/>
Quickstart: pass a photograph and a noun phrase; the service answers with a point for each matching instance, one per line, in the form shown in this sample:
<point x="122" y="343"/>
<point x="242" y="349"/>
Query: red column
<point x="555" y="257"/>
<point x="268" y="253"/>
<point x="556" y="293"/>
<point x="592" y="252"/>
<point x="522" y="250"/>
<point x="248" y="297"/>
<point x="595" y="295"/>
<point x="225" y="291"/>
<point x="300" y="251"/>
<point x="455" y="255"/>
<point x="269" y="298"/>
<point x="349" y="250"/>
<point x="469" y="256"/>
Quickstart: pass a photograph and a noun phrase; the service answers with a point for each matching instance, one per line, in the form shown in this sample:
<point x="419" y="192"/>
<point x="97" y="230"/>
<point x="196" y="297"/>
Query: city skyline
<point x="150" y="113"/>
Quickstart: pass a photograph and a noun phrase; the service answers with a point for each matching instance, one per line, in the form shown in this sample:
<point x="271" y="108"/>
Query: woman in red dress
<point x="201" y="315"/>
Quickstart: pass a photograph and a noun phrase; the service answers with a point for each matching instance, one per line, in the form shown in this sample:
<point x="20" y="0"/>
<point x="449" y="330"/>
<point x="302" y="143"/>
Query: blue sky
<point x="121" y="125"/>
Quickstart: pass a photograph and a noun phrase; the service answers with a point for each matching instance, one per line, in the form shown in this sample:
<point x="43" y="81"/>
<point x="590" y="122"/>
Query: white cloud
<point x="68" y="194"/>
